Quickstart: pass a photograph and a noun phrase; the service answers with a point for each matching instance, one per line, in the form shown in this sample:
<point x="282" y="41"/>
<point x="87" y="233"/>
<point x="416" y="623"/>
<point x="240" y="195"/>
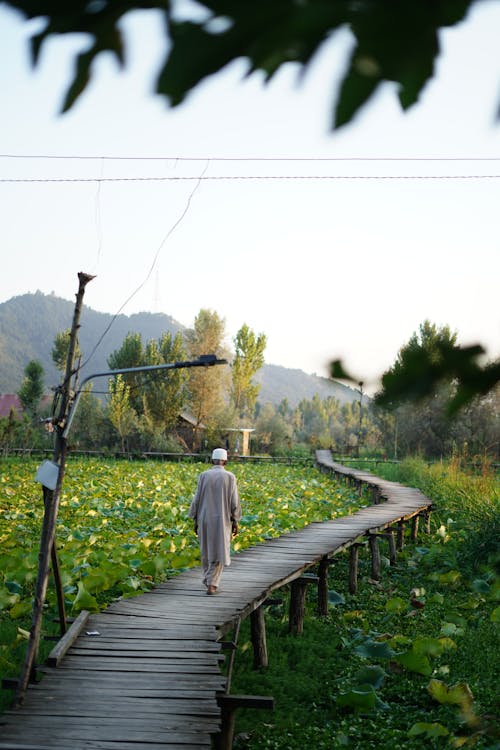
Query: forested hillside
<point x="30" y="322"/>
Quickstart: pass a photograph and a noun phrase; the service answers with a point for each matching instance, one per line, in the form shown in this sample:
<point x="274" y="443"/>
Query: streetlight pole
<point x="360" y="414"/>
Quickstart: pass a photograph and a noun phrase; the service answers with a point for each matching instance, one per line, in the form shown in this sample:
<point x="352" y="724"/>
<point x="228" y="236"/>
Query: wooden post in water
<point x="392" y="547"/>
<point x="258" y="635"/>
<point x="400" y="543"/>
<point x="323" y="586"/>
<point x="51" y="499"/>
<point x="353" y="567"/>
<point x="414" y="528"/>
<point x="427" y="517"/>
<point x="298" y="603"/>
<point x="375" y="555"/>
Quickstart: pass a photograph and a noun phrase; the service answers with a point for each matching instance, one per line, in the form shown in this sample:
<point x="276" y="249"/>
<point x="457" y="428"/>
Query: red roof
<point x="10" y="401"/>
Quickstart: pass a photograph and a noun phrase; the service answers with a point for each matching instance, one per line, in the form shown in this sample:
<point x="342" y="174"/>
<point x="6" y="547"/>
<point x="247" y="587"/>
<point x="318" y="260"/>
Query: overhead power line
<point x="225" y="178"/>
<point x="251" y="158"/>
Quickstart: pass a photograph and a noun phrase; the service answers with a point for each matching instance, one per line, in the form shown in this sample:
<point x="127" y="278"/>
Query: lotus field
<point x="123" y="526"/>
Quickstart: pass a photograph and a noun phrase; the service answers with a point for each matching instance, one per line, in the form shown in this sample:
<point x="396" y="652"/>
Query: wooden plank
<point x="60" y="649"/>
<point x="122" y="706"/>
<point x="146" y="666"/>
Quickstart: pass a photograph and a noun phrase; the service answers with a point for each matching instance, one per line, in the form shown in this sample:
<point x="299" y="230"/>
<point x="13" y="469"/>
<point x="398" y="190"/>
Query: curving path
<point x="146" y="673"/>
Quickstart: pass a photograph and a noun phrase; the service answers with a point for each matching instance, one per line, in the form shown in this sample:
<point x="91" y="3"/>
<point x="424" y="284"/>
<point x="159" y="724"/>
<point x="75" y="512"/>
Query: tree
<point x="31" y="390"/>
<point x="60" y="350"/>
<point x="91" y="429"/>
<point x="120" y="411"/>
<point x="272" y="433"/>
<point x="248" y="359"/>
<point x="165" y="392"/>
<point x="423" y="425"/>
<point x="130" y="354"/>
<point x="207" y="386"/>
<point x="397" y="42"/>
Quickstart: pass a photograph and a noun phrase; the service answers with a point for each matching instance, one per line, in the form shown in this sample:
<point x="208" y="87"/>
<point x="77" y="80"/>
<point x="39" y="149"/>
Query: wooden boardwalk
<point x="146" y="673"/>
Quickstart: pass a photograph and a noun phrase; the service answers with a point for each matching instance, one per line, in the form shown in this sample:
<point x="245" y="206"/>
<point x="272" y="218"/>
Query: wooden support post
<point x="392" y="547"/>
<point x="258" y="635"/>
<point x="375" y="554"/>
<point x="414" y="529"/>
<point x="323" y="587"/>
<point x="401" y="535"/>
<point x="298" y="604"/>
<point x="427" y="521"/>
<point x="229" y="705"/>
<point x="353" y="568"/>
<point x="232" y="655"/>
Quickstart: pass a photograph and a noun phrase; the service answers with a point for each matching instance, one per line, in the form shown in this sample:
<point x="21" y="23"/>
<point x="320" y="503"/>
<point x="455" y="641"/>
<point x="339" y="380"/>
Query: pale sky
<point x="325" y="268"/>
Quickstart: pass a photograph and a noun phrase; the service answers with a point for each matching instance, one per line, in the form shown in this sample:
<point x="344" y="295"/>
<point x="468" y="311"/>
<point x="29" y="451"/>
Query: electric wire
<point x="221" y="178"/>
<point x="250" y="158"/>
<point x="155" y="259"/>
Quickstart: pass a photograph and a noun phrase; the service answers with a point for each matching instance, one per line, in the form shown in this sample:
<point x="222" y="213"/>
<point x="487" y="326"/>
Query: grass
<point x="454" y="571"/>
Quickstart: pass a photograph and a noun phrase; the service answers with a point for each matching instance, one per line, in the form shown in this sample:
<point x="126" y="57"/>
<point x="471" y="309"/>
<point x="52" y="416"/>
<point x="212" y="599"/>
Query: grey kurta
<point x="215" y="506"/>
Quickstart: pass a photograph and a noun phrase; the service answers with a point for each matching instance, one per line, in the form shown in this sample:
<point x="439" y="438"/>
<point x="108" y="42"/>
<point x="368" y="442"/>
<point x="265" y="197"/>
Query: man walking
<point x="216" y="511"/>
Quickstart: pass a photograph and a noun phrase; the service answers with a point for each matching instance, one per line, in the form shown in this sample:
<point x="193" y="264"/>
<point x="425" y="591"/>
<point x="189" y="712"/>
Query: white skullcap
<point x="219" y="454"/>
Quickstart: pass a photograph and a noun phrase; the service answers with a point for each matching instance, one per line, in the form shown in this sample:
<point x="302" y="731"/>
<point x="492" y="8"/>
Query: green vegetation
<point x="397" y="43"/>
<point x="123" y="526"/>
<point x="411" y="659"/>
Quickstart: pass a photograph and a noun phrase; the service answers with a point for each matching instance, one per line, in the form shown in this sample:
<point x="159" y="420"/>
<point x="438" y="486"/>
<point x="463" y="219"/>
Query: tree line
<point x="183" y="410"/>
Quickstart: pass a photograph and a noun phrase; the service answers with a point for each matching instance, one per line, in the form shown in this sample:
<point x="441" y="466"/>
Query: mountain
<point x="279" y="382"/>
<point x="30" y="322"/>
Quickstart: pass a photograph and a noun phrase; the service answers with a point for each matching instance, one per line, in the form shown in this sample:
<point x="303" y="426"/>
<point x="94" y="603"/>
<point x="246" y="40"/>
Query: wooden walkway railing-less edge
<point x="146" y="672"/>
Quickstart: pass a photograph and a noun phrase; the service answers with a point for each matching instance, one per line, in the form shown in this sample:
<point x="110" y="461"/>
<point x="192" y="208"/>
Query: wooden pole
<point x="375" y="553"/>
<point x="353" y="568"/>
<point x="47" y="539"/>
<point x="258" y="636"/>
<point x="414" y="529"/>
<point x="323" y="587"/>
<point x="298" y="604"/>
<point x="427" y="527"/>
<point x="401" y="535"/>
<point x="47" y="500"/>
<point x="392" y="547"/>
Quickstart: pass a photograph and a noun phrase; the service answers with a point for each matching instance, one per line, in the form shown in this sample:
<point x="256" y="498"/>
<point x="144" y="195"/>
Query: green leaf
<point x="449" y="629"/>
<point x="357" y="87"/>
<point x="396" y="604"/>
<point x="335" y="598"/>
<point x="432" y="647"/>
<point x="7" y="599"/>
<point x="481" y="586"/>
<point x="337" y="372"/>
<point x="415" y="662"/>
<point x="371" y="649"/>
<point x="495" y="615"/>
<point x="450" y="578"/>
<point x="436" y="598"/>
<point x="363" y="698"/>
<point x="372" y="675"/>
<point x="84" y="600"/>
<point x="456" y="695"/>
<point x="21" y="609"/>
<point x="13" y="587"/>
<point x="429" y="730"/>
